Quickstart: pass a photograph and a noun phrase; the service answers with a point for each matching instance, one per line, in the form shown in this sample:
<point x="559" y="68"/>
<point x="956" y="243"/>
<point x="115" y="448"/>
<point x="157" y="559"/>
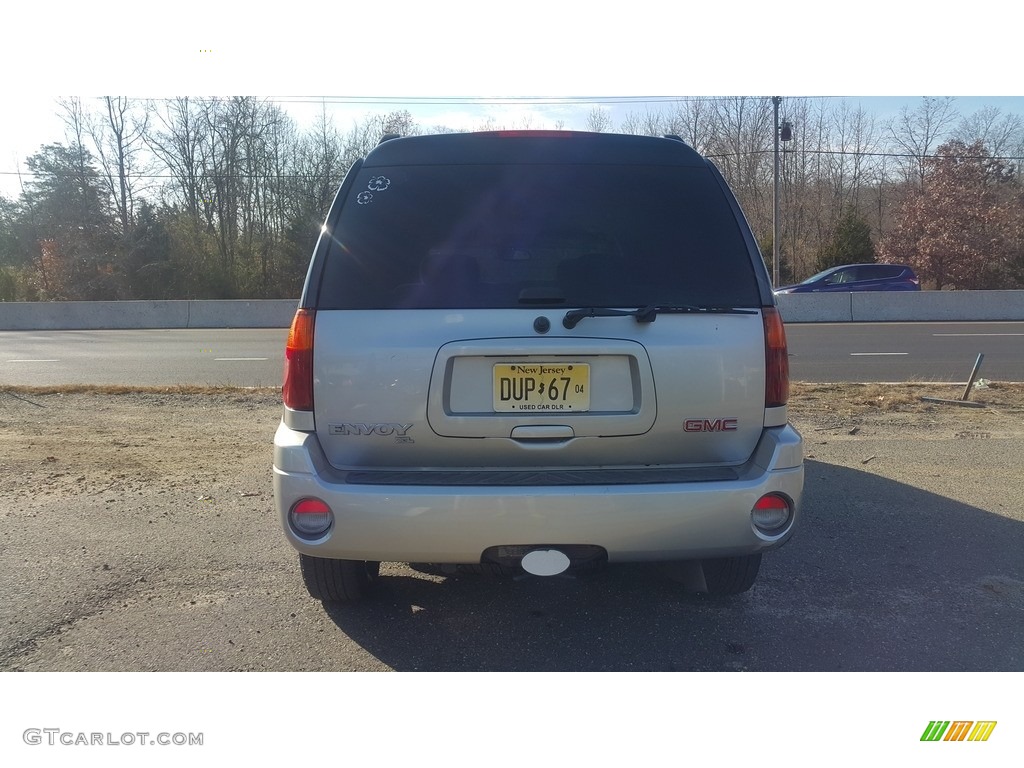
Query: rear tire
<point x="731" y="575"/>
<point x="490" y="570"/>
<point x="338" y="581"/>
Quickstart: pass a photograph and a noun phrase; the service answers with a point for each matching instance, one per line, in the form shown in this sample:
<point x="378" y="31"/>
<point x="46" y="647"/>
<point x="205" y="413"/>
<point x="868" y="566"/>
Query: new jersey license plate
<point x="542" y="387"/>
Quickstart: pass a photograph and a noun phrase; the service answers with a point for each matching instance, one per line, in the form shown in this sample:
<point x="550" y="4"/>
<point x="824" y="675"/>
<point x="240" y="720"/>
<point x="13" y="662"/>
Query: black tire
<point x="490" y="570"/>
<point x="731" y="575"/>
<point x="338" y="581"/>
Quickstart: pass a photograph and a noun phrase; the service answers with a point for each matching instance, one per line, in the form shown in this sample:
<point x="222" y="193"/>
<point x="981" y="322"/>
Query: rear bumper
<point x="455" y="524"/>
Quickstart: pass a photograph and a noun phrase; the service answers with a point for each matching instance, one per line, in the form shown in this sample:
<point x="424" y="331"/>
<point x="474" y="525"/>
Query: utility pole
<point x="776" y="100"/>
<point x="785" y="132"/>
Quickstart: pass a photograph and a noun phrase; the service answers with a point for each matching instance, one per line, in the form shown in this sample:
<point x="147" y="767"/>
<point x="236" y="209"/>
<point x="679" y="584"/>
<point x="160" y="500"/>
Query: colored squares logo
<point x="958" y="730"/>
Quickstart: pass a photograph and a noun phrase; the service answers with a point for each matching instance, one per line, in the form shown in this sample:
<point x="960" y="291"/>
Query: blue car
<point x="858" y="277"/>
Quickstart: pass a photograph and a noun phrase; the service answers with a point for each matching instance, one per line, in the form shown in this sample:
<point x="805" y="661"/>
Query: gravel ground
<point x="137" y="532"/>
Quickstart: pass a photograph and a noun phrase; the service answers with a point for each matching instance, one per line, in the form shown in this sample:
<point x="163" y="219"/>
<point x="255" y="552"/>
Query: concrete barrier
<point x="815" y="307"/>
<point x="86" y="315"/>
<point x="98" y="315"/>
<point x="270" y="313"/>
<point x="935" y="306"/>
<point x="909" y="306"/>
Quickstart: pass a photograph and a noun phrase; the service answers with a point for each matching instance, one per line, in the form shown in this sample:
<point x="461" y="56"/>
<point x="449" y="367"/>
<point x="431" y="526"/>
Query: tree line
<point x="224" y="198"/>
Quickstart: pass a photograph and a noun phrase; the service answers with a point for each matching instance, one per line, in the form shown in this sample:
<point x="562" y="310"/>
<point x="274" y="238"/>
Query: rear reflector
<point x="776" y="358"/>
<point x="310" y="517"/>
<point x="310" y="507"/>
<point x="297" y="392"/>
<point x="770" y="513"/>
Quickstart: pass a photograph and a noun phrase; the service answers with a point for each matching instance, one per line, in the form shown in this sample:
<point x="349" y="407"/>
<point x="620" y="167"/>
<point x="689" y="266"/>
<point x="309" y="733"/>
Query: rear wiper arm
<point x="647" y="314"/>
<point x="573" y="316"/>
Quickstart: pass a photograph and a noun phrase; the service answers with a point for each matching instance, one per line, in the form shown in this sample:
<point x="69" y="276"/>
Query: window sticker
<point x="376" y="184"/>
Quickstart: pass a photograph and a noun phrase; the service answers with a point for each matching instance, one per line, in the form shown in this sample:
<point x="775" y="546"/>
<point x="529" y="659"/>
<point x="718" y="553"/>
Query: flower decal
<point x="379" y="183"/>
<point x="364" y="198"/>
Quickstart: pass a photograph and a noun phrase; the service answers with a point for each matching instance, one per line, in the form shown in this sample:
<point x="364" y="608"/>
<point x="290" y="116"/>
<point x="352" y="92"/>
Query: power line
<point x="98" y="176"/>
<point x="906" y="156"/>
<point x="418" y="101"/>
<point x="471" y="100"/>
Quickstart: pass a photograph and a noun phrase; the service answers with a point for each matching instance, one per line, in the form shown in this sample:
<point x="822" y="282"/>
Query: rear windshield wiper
<point x="647" y="314"/>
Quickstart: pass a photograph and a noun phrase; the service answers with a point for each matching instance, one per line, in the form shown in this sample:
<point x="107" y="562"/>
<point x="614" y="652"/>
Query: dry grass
<point x="112" y="389"/>
<point x="849" y="398"/>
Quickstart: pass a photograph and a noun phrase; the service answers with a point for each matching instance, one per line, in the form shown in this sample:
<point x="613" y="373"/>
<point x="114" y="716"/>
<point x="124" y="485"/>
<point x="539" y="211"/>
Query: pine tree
<point x="851" y="244"/>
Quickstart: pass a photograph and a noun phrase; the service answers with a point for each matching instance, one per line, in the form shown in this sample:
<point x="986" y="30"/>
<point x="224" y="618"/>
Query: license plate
<point x="542" y="387"/>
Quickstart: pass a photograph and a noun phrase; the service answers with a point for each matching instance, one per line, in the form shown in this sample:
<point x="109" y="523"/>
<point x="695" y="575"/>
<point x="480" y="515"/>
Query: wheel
<point x="338" y="581"/>
<point x="731" y="575"/>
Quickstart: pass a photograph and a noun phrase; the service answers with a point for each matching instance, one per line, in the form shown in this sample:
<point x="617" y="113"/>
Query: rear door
<point x="432" y="389"/>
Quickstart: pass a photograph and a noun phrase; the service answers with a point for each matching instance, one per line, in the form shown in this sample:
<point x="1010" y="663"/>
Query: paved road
<point x="905" y="351"/>
<point x="253" y="357"/>
<point x="237" y="357"/>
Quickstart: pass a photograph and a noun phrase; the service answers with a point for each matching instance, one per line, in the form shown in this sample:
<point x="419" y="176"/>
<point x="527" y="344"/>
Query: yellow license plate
<point x="542" y="387"/>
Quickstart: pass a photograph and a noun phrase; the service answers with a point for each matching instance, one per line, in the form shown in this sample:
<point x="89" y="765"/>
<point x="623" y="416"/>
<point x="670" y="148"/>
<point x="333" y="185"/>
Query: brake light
<point x="536" y="133"/>
<point x="776" y="358"/>
<point x="297" y="391"/>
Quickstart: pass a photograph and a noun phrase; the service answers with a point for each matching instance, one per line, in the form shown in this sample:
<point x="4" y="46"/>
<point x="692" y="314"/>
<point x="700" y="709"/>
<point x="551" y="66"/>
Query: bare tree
<point x="919" y="131"/>
<point x="855" y="138"/>
<point x="599" y="120"/>
<point x="742" y="148"/>
<point x="176" y="133"/>
<point x="631" y="123"/>
<point x="76" y="122"/>
<point x="1001" y="134"/>
<point x="694" y="123"/>
<point x="117" y="136"/>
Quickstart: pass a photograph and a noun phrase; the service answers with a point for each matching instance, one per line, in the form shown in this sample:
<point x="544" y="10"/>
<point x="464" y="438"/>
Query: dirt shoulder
<point x="911" y="407"/>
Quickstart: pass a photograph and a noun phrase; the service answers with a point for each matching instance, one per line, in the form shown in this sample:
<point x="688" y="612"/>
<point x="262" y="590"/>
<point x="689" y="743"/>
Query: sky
<point x="457" y="63"/>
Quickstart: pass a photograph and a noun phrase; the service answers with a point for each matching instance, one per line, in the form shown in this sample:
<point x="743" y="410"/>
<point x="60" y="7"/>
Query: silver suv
<point x="535" y="351"/>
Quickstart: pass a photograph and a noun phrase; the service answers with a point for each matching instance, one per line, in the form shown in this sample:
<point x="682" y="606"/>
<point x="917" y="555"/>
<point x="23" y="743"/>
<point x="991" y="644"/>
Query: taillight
<point x="297" y="392"/>
<point x="776" y="358"/>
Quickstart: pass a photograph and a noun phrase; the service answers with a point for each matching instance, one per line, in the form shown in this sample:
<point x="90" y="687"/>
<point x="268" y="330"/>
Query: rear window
<point x="494" y="236"/>
<point x="879" y="271"/>
<point x="888" y="270"/>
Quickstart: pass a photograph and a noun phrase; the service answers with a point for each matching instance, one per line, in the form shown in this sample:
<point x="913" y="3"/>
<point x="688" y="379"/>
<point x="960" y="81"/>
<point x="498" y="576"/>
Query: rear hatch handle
<point x="542" y="432"/>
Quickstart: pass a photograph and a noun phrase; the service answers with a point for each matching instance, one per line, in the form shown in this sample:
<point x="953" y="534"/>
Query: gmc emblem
<point x="707" y="425"/>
